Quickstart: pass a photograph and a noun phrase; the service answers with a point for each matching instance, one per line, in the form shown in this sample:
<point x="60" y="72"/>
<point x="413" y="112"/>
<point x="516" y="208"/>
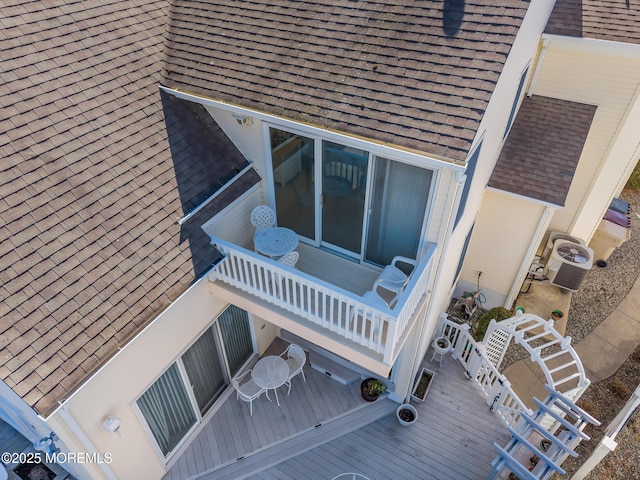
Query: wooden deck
<point x="453" y="438"/>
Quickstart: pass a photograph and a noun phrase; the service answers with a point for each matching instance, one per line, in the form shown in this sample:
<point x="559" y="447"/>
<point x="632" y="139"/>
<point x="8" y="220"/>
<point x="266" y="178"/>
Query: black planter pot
<point x="363" y="391"/>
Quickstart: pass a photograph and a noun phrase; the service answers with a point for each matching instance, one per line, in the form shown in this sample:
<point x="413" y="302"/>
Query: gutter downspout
<point x="543" y="52"/>
<point x="460" y="180"/>
<point x="89" y="448"/>
<point x="524" y="266"/>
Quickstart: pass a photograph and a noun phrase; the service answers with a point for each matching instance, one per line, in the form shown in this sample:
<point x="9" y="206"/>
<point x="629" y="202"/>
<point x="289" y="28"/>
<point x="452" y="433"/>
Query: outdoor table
<point x="270" y="372"/>
<point x="276" y="242"/>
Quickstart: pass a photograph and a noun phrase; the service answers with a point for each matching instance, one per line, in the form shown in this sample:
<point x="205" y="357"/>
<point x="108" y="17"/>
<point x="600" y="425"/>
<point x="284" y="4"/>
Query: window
<point x="176" y="402"/>
<point x="463" y="254"/>
<point x="514" y="107"/>
<point x="471" y="169"/>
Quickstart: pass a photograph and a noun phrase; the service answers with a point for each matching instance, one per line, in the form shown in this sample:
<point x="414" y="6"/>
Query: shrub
<point x="619" y="388"/>
<point x="499" y="313"/>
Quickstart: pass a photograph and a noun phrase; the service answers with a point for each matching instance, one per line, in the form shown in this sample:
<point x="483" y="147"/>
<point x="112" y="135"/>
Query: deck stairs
<point x="554" y="353"/>
<point x="259" y="460"/>
<point x="524" y="456"/>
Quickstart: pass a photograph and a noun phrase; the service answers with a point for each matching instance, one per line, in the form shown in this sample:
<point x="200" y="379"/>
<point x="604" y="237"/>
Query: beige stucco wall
<point x="605" y="74"/>
<point x="502" y="237"/>
<point x="116" y="386"/>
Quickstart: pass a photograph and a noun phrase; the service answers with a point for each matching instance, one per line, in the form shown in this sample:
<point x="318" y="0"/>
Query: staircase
<point x="524" y="455"/>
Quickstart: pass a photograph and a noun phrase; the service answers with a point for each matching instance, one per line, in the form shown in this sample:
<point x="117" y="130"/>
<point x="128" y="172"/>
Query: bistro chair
<point x="262" y="217"/>
<point x="296" y="358"/>
<point x="247" y="391"/>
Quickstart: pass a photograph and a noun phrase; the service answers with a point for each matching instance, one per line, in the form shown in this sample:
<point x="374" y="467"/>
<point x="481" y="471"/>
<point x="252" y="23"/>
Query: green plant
<point x="497" y="313"/>
<point x="634" y="180"/>
<point x="373" y="387"/>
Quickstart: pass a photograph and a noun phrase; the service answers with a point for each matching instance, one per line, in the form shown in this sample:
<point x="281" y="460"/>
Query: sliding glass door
<point x="177" y="401"/>
<point x="399" y="197"/>
<point x="345" y="199"/>
<point x="344" y="182"/>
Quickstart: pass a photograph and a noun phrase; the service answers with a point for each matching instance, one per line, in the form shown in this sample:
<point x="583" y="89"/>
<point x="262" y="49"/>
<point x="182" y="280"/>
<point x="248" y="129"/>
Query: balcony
<point x="324" y="294"/>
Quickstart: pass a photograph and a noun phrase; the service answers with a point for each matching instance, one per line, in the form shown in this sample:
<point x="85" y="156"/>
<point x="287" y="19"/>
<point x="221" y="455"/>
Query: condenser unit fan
<point x="555" y="236"/>
<point x="568" y="264"/>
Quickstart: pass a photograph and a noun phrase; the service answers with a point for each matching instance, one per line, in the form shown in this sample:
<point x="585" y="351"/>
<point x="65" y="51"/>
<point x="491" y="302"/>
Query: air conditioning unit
<point x="553" y="236"/>
<point x="568" y="264"/>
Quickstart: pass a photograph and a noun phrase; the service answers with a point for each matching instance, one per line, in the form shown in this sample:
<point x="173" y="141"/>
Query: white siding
<point x="113" y="389"/>
<point x="606" y="77"/>
<point x="501" y="238"/>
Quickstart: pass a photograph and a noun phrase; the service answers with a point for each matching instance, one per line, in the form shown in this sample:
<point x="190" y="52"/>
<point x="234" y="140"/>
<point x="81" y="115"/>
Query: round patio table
<point x="276" y="242"/>
<point x="270" y="372"/>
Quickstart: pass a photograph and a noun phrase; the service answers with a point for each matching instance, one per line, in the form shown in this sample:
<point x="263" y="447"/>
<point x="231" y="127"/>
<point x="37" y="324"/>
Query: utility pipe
<point x="88" y="447"/>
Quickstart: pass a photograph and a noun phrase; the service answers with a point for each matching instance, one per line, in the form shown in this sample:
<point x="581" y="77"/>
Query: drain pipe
<point x="525" y="265"/>
<point x="89" y="448"/>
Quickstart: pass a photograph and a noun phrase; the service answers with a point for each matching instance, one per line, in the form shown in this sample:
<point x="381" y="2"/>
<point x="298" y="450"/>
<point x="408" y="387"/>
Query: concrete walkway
<point x="602" y="352"/>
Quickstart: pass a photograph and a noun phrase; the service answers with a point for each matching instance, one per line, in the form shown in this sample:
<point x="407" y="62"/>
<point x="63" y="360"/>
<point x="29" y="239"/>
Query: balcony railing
<point x="340" y="311"/>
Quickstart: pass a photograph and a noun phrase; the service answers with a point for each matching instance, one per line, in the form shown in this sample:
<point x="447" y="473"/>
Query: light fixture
<point x="243" y="120"/>
<point x="112" y="424"/>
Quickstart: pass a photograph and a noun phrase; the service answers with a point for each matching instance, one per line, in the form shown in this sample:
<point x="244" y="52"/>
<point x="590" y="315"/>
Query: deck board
<point x="453" y="438"/>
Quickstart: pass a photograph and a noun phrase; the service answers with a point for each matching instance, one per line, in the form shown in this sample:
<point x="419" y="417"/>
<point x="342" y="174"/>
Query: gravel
<point x="602" y="291"/>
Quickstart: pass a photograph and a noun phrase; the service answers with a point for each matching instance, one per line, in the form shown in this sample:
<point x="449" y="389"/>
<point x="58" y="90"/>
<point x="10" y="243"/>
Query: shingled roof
<point x="615" y="20"/>
<point x="413" y="74"/>
<point x="97" y="167"/>
<point x="542" y="151"/>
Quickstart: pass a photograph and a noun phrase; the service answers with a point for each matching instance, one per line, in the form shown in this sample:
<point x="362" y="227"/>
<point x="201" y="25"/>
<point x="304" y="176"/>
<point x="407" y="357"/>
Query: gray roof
<point x="615" y="20"/>
<point x="541" y="153"/>
<point x="418" y="75"/>
<point x="97" y="167"/>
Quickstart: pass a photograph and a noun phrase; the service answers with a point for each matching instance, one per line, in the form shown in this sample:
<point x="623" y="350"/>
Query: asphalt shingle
<point x="541" y="153"/>
<point x="92" y="184"/>
<point x="413" y="74"/>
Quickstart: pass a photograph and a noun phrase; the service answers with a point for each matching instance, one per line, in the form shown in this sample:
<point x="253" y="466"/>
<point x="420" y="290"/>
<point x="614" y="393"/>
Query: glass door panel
<point x="292" y="159"/>
<point x="344" y="181"/>
<point x="236" y="336"/>
<point x="202" y="364"/>
<point x="167" y="409"/>
<point x="398" y="202"/>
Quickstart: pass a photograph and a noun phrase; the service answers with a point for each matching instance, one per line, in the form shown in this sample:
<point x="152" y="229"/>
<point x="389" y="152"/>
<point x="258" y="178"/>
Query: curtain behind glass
<point x="236" y="336"/>
<point x="399" y="199"/>
<point x="167" y="410"/>
<point x="204" y="370"/>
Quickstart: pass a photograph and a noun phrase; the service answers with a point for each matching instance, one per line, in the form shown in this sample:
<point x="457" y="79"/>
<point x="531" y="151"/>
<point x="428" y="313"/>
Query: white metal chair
<point x="392" y="277"/>
<point x="247" y="391"/>
<point x="290" y="259"/>
<point x="296" y="359"/>
<point x="262" y="217"/>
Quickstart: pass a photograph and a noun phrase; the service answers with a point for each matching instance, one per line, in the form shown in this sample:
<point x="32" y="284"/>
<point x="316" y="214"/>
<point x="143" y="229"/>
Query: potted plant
<point x="406" y="414"/>
<point x="371" y="389"/>
<point x="422" y="385"/>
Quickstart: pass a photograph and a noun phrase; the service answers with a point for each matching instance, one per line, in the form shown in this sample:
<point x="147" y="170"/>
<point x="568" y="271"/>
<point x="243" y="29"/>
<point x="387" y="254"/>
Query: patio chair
<point x="376" y="301"/>
<point x="296" y="358"/>
<point x="247" y="391"/>
<point x="290" y="259"/>
<point x="392" y="277"/>
<point x="262" y="217"/>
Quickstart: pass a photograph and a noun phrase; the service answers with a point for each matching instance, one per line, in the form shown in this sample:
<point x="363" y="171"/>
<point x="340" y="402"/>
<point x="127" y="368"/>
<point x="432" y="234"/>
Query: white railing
<point x="348" y="315"/>
<point x="501" y="398"/>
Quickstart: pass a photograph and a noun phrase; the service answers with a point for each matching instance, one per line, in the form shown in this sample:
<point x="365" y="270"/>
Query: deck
<point x="453" y="437"/>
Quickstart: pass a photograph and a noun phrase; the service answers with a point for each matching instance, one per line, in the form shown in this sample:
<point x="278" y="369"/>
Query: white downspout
<point x="88" y="447"/>
<point x="524" y="266"/>
<point x="417" y="359"/>
<point x="543" y="52"/>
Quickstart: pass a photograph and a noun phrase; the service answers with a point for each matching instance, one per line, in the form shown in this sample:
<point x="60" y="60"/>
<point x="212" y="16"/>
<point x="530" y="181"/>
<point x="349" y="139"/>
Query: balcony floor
<point x="453" y="437"/>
